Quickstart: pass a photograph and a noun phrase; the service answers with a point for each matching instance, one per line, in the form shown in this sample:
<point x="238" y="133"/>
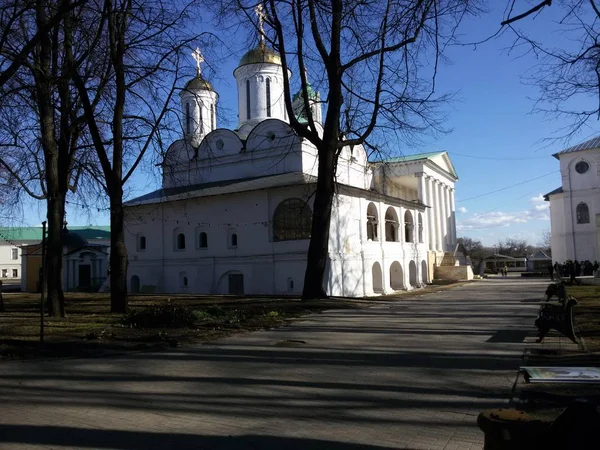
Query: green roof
<point x="35" y="233"/>
<point x="416" y="157"/>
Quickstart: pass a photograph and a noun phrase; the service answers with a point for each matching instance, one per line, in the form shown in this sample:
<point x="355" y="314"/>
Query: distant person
<point x="505" y="271"/>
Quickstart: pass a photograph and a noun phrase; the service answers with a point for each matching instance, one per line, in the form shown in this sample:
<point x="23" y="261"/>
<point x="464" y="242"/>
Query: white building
<point x="234" y="212"/>
<point x="575" y="205"/>
<point x="17" y="242"/>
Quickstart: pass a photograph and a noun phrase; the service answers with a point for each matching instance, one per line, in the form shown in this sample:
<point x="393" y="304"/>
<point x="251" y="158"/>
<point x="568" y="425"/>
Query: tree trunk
<point x="118" y="252"/>
<point x="53" y="263"/>
<point x="318" y="249"/>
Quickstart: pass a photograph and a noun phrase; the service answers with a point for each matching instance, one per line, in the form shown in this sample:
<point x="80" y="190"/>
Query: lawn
<point x="587" y="314"/>
<point x="90" y="329"/>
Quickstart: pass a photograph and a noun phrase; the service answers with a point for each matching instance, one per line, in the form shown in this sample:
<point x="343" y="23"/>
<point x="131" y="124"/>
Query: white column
<point x="422" y="195"/>
<point x="437" y="215"/>
<point x="444" y="219"/>
<point x="429" y="214"/>
<point x="452" y="218"/>
<point x="447" y="217"/>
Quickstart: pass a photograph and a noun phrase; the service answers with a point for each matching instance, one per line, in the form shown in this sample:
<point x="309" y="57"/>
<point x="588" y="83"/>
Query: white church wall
<point x="572" y="180"/>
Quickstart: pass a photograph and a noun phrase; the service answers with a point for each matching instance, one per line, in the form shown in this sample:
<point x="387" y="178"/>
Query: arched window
<point x="372" y="222"/>
<point x="247" y="99"/>
<point x="391" y="225"/>
<point x="292" y="220"/>
<point x="408" y="227"/>
<point x="188" y="118"/>
<point x="180" y="241"/>
<point x="583" y="213"/>
<point x="233" y="240"/>
<point x="268" y="97"/>
<point x="200" y="118"/>
<point x="212" y="116"/>
<point x="420" y="225"/>
<point x="203" y="240"/>
<point x="141" y="243"/>
<point x="183" y="280"/>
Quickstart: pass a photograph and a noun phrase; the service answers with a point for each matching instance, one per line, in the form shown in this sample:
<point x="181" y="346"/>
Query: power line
<point x="508" y="187"/>
<point x="495" y="158"/>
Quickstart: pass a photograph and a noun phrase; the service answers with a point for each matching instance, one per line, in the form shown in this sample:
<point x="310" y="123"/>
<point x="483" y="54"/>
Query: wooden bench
<point x="557" y="316"/>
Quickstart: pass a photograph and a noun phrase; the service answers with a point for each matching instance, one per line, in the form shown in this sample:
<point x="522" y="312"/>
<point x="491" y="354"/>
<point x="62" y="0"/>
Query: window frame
<point x="14" y="254"/>
<point x="291" y="220"/>
<point x="582" y="213"/>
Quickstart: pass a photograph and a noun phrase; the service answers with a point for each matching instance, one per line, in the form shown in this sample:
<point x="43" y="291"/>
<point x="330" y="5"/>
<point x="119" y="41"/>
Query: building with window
<point x="233" y="215"/>
<point x="575" y="205"/>
<point x="20" y="255"/>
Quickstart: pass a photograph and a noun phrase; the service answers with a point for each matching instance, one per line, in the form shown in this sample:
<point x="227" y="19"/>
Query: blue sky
<point x="495" y="142"/>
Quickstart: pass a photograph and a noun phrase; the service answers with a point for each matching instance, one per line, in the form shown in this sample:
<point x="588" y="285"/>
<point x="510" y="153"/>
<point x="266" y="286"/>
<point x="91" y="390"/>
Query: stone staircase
<point x="453" y="266"/>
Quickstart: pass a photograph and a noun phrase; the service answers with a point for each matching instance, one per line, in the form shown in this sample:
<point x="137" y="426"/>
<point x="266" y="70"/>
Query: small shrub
<point x="273" y="314"/>
<point x="165" y="315"/>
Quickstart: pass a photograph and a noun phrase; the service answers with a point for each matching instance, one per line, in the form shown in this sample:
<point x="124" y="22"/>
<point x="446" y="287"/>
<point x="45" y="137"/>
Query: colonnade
<point x="440" y="216"/>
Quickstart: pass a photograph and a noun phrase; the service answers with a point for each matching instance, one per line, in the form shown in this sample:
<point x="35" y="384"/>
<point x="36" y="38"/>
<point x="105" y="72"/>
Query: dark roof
<point x="555" y="191"/>
<point x="225" y="187"/>
<point x="587" y="145"/>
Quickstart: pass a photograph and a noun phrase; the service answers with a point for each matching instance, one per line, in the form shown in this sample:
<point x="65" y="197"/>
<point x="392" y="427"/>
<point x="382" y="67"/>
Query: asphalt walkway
<point x="411" y="374"/>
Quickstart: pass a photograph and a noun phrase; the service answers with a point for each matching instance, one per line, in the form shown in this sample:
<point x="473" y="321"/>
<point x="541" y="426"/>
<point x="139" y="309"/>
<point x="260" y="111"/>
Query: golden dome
<point x="260" y="54"/>
<point x="198" y="84"/>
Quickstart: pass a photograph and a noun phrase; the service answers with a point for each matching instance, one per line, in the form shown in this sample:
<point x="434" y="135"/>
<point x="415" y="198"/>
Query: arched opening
<point x="377" y="278"/>
<point x="391" y="225"/>
<point x="268" y="86"/>
<point x="203" y="240"/>
<point x="396" y="276"/>
<point x="142" y="243"/>
<point x="292" y="220"/>
<point x="135" y="284"/>
<point x="212" y="116"/>
<point x="201" y="118"/>
<point x="583" y="213"/>
<point x="372" y="222"/>
<point x="420" y="227"/>
<point x="180" y="241"/>
<point x="408" y="227"/>
<point x="234" y="240"/>
<point x="424" y="271"/>
<point x="247" y="99"/>
<point x="183" y="280"/>
<point x="188" y="118"/>
<point x="412" y="274"/>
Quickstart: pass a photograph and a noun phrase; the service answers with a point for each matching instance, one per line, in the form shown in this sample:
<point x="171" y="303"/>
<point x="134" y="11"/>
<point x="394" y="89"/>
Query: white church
<point x="233" y="215"/>
<point x="575" y="205"/>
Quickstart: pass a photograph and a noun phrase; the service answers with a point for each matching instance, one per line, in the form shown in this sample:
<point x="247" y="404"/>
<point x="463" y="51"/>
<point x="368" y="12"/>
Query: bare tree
<point x="545" y="242"/>
<point x="132" y="93"/>
<point x="43" y="127"/>
<point x="567" y="72"/>
<point x="377" y="62"/>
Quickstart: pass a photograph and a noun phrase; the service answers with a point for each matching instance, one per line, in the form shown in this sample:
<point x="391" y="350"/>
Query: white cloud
<point x="539" y="210"/>
<point x="537" y="199"/>
<point x="497" y="219"/>
<point x="462" y="209"/>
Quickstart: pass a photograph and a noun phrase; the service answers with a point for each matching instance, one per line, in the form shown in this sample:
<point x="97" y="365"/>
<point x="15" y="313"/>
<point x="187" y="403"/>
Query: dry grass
<point x="587" y="314"/>
<point x="90" y="329"/>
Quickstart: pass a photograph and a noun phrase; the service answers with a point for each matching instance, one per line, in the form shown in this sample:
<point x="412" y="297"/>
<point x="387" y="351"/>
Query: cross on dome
<point x="261" y="17"/>
<point x="197" y="55"/>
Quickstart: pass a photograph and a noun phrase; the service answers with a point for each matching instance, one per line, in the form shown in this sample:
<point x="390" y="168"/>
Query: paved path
<point x="412" y="374"/>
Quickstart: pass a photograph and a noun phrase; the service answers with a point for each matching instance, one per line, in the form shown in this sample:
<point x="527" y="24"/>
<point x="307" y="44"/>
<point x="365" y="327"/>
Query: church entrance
<point x="412" y="272"/>
<point x="236" y="283"/>
<point x="85" y="276"/>
<point x="377" y="278"/>
<point x="135" y="284"/>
